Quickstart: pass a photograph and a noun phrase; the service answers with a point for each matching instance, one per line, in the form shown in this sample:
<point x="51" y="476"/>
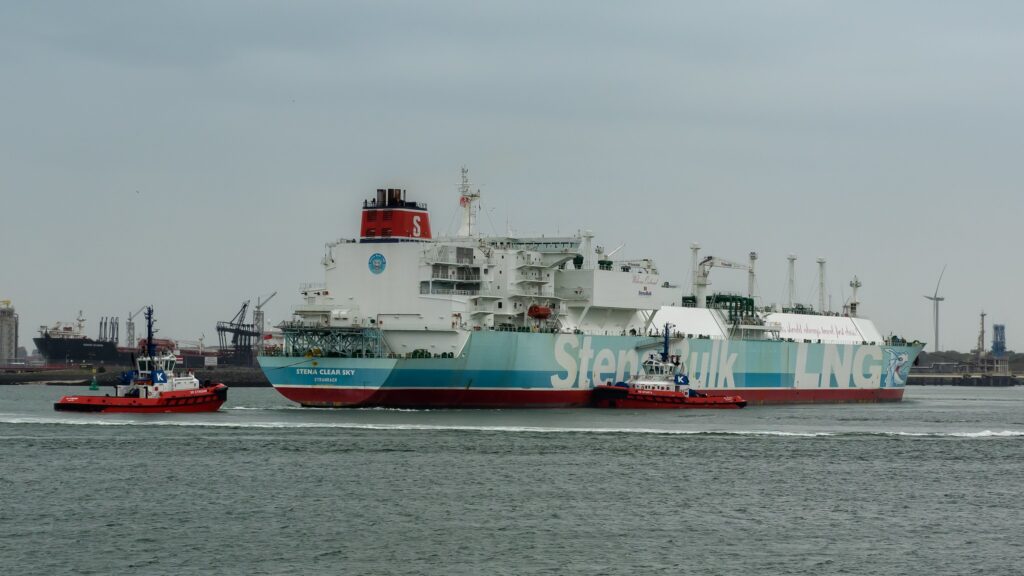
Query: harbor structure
<point x="997" y="360"/>
<point x="8" y="333"/>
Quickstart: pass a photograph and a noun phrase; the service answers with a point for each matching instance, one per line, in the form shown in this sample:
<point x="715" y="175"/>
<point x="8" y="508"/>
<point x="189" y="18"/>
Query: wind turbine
<point x="935" y="298"/>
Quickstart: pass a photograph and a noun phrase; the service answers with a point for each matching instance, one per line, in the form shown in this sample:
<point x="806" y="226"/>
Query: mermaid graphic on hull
<point x="897" y="368"/>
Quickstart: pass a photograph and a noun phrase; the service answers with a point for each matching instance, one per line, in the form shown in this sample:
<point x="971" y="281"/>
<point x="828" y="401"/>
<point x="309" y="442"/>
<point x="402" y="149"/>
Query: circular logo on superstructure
<point x="377" y="263"/>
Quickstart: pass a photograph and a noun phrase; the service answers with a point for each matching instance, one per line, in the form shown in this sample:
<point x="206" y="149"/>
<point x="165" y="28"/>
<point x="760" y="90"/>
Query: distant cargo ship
<point x="406" y="320"/>
<point x="67" y="343"/>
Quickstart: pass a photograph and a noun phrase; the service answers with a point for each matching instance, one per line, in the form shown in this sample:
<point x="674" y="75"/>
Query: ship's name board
<point x="325" y="372"/>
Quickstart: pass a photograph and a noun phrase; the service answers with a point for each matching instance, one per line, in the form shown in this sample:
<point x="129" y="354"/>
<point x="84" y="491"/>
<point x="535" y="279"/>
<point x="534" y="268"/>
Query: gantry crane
<point x="237" y="338"/>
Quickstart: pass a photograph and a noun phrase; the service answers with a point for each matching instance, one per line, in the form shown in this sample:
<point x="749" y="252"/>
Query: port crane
<point x="257" y="314"/>
<point x="237" y="337"/>
<point x="129" y="327"/>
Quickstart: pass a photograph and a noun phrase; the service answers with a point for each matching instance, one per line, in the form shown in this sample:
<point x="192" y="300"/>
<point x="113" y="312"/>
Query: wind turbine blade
<point x="940" y="280"/>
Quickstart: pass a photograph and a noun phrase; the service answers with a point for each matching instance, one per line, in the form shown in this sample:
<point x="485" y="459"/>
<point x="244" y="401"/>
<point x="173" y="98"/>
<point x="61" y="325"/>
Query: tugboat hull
<point x="207" y="399"/>
<point x="632" y="398"/>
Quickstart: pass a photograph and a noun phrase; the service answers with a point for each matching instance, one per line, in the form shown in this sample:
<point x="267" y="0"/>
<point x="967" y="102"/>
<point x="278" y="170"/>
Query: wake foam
<point x="505" y="429"/>
<point x="322" y="409"/>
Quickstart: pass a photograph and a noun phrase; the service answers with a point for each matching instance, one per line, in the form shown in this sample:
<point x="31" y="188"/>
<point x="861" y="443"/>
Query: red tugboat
<point x="152" y="387"/>
<point x="663" y="384"/>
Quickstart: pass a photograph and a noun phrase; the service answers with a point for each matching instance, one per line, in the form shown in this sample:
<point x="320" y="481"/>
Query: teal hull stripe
<point x="498" y="360"/>
<point x="462" y="379"/>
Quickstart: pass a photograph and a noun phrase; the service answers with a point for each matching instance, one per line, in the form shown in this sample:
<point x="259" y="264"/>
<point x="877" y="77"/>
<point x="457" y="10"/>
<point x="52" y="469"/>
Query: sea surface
<point x="932" y="485"/>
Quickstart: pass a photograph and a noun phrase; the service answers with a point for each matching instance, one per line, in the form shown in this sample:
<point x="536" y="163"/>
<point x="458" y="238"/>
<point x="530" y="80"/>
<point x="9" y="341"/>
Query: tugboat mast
<point x="150" y="347"/>
<point x="664" y="346"/>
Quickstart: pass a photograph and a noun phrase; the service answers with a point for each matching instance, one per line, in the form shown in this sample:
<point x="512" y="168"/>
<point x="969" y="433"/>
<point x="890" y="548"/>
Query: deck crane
<point x="700" y="279"/>
<point x="604" y="261"/>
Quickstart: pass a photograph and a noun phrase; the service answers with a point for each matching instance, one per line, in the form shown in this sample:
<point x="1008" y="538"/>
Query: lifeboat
<point x="153" y="386"/>
<point x="539" y="312"/>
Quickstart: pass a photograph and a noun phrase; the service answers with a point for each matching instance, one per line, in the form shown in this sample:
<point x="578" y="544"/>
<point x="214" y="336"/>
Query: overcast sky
<point x="193" y="155"/>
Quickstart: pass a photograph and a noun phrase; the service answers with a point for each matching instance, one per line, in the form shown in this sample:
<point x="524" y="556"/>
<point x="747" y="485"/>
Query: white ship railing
<point x="448" y="291"/>
<point x="455" y="277"/>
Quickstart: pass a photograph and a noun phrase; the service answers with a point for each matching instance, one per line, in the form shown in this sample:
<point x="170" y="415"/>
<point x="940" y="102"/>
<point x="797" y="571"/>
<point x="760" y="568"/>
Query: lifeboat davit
<point x="538" y="312"/>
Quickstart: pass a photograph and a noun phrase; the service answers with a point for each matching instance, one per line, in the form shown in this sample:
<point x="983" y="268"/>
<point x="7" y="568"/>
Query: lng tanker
<point x="404" y="319"/>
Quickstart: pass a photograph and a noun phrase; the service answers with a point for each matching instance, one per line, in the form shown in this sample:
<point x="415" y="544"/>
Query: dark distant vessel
<point x="66" y="343"/>
<point x="154" y="386"/>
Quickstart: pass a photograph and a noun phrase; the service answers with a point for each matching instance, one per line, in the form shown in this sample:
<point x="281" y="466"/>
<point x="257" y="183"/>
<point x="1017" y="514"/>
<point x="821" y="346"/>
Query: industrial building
<point x="8" y="333"/>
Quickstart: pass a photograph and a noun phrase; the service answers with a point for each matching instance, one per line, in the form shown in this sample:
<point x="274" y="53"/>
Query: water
<point x="928" y="486"/>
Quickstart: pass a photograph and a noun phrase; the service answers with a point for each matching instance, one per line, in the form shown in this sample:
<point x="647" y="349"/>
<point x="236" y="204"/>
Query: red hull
<point x="434" y="398"/>
<point x="812" y="395"/>
<point x="734" y="403"/>
<point x="330" y="397"/>
<point x="644" y="399"/>
<point x="200" y="400"/>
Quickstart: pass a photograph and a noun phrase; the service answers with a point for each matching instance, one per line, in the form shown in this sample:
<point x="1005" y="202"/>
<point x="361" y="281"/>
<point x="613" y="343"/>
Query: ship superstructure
<point x="406" y="319"/>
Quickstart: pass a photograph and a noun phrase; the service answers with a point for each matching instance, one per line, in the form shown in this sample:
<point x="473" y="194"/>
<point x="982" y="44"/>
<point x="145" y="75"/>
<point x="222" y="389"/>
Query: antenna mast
<point x="468" y="201"/>
<point x="792" y="278"/>
<point x="855" y="284"/>
<point x="694" y="263"/>
<point x="821" y="285"/>
<point x="751" y="278"/>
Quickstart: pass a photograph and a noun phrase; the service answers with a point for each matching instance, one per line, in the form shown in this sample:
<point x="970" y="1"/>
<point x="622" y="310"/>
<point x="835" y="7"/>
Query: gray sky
<point x="196" y="154"/>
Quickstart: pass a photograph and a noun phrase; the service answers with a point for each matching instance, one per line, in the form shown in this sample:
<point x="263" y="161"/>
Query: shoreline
<point x="234" y="376"/>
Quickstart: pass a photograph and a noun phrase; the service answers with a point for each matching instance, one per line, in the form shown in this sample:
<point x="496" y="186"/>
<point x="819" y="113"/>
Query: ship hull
<point x="539" y="370"/>
<point x="79" y="350"/>
<point x="822" y="396"/>
<point x="339" y="397"/>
